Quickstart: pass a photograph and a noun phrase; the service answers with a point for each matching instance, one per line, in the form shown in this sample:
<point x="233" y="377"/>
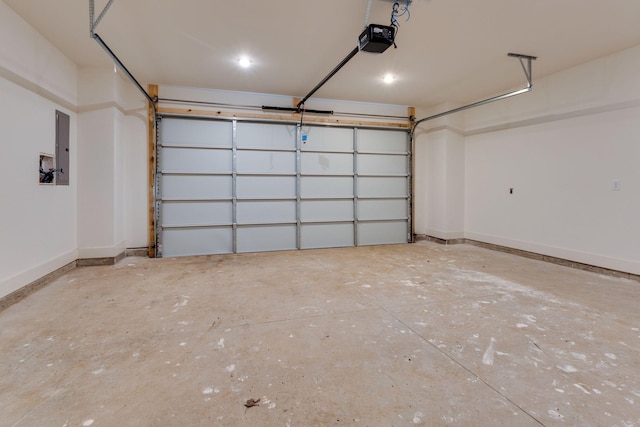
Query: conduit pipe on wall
<point x="527" y="71"/>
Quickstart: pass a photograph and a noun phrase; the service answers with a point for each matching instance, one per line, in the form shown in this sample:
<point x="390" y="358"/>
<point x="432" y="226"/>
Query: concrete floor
<point x="400" y="335"/>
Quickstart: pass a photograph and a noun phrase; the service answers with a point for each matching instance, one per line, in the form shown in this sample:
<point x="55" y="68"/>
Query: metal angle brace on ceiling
<point x="525" y="61"/>
<point x="93" y="23"/>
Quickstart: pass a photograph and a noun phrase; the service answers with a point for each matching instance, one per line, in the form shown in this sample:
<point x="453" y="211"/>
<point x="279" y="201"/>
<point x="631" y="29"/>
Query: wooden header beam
<point x="151" y="144"/>
<point x="281" y="117"/>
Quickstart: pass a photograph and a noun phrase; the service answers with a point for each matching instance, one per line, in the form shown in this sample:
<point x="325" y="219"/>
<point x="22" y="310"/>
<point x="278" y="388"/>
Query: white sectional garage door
<point x="238" y="186"/>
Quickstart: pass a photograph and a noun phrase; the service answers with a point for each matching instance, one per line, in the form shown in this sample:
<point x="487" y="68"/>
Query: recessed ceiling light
<point x="244" y="62"/>
<point x="388" y="79"/>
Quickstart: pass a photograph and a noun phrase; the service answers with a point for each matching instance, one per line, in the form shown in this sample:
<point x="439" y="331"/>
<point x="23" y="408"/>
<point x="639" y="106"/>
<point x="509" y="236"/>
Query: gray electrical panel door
<point x="237" y="186"/>
<point x="62" y="148"/>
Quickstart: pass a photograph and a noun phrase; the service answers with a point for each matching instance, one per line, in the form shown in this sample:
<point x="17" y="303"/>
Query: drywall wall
<point x="440" y="184"/>
<point x="112" y="155"/>
<point x="439" y="176"/>
<point x="133" y="123"/>
<point x="45" y="227"/>
<point x="28" y="57"/>
<point x="37" y="222"/>
<point x="560" y="148"/>
<point x="136" y="205"/>
<point x="96" y="186"/>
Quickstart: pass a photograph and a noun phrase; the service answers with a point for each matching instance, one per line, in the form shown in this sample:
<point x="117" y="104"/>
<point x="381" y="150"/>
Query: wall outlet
<point x="615" y="185"/>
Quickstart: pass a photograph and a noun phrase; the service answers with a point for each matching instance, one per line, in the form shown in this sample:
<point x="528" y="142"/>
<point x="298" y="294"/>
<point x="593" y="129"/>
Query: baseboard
<point x="36" y="285"/>
<point x="90" y="262"/>
<point x="102" y="252"/>
<point x="13" y="283"/>
<point x="605" y="262"/>
<point x="533" y="255"/>
<point x="444" y="235"/>
<point x="139" y="252"/>
<point x="424" y="237"/>
<point x="556" y="260"/>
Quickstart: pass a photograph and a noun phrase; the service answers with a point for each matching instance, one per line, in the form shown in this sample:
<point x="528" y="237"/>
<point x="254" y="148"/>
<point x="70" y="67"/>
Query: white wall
<point x="96" y="186"/>
<point x="29" y="57"/>
<point x="439" y="177"/>
<point x="136" y="205"/>
<point x="37" y="222"/>
<point x="104" y="209"/>
<point x="112" y="190"/>
<point x="559" y="147"/>
<point x="133" y="122"/>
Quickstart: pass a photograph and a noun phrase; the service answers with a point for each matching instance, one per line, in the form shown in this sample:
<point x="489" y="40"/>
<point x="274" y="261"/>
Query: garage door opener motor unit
<point x="376" y="38"/>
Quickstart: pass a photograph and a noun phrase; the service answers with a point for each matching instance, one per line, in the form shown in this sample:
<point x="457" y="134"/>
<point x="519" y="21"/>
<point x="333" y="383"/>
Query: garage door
<point x="239" y="186"/>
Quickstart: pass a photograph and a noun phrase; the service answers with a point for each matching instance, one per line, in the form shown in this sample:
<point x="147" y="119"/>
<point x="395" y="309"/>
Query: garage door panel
<point x="376" y="164"/>
<point x="254" y="135"/>
<point x="203" y="133"/>
<point x="327" y="163"/>
<point x="382" y="209"/>
<point x="195" y="186"/>
<point x="382" y="187"/>
<point x="326" y="236"/>
<point x="196" y="213"/>
<point x="334" y="186"/>
<point x="382" y="233"/>
<point x="197" y="241"/>
<point x="375" y="141"/>
<point x="267" y="238"/>
<point x="266" y="187"/>
<point x="326" y="210"/>
<point x="328" y="139"/>
<point x="266" y="162"/>
<point x="266" y="212"/>
<point x="196" y="160"/>
<point x="214" y="174"/>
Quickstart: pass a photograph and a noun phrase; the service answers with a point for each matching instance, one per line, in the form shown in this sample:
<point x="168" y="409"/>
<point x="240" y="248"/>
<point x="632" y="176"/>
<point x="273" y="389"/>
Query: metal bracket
<point x="527" y="71"/>
<point x="92" y="31"/>
<point x="94" y="23"/>
<point x="525" y="68"/>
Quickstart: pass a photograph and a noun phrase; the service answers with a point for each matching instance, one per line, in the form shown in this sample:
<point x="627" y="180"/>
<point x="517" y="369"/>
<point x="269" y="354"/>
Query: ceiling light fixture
<point x="388" y="79"/>
<point x="244" y="62"/>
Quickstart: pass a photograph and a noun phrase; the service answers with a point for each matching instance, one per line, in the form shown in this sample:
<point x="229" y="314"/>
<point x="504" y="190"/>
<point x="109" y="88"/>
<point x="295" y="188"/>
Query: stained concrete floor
<point x="401" y="335"/>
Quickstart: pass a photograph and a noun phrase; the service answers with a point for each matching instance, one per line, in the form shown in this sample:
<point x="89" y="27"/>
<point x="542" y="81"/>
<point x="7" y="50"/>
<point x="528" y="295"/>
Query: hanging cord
<point x="394" y="22"/>
<point x="302" y="115"/>
<point x="395" y="14"/>
<point x="405" y="10"/>
<point x="303" y="134"/>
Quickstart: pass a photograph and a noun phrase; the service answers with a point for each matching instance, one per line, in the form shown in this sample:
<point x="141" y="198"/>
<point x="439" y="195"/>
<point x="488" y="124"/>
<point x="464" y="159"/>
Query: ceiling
<point x="448" y="51"/>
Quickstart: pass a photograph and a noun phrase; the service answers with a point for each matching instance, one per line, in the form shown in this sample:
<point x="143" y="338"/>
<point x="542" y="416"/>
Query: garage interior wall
<point x="112" y="161"/>
<point x="37" y="222"/>
<point x="559" y="147"/>
<point x="104" y="208"/>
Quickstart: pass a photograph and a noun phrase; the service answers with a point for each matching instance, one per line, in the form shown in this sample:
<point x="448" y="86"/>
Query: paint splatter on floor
<point x="488" y="356"/>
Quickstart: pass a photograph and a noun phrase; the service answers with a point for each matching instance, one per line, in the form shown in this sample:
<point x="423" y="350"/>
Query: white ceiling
<point x="449" y="51"/>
